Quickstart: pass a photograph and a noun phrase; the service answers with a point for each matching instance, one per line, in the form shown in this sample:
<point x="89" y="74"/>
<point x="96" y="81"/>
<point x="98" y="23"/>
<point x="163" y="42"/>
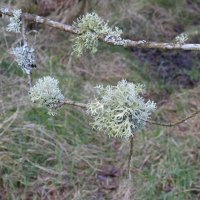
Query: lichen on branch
<point x="120" y="110"/>
<point x="25" y="57"/>
<point x="46" y="93"/>
<point x="106" y="39"/>
<point x="91" y="27"/>
<point x="15" y="21"/>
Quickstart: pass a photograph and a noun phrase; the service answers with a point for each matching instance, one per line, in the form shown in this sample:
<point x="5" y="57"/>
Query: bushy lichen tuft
<point x="182" y="38"/>
<point x="46" y="93"/>
<point x="15" y="22"/>
<point x="91" y="27"/>
<point x="119" y="110"/>
<point x="25" y="57"/>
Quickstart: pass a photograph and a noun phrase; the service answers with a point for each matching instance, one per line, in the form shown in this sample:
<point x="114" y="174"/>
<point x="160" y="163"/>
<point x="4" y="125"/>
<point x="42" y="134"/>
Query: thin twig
<point x="30" y="81"/>
<point x="175" y="123"/>
<point x="126" y="43"/>
<point x="72" y="103"/>
<point x="130" y="156"/>
<point x="25" y="41"/>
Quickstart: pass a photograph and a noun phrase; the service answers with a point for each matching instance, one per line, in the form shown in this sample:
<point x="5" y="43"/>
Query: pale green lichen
<point x="90" y="28"/>
<point x="119" y="110"/>
<point x="182" y="38"/>
<point x="46" y="93"/>
<point x="25" y="57"/>
<point x="15" y="22"/>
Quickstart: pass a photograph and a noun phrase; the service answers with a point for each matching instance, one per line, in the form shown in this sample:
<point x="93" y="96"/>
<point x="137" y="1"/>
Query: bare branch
<point x="130" y="157"/>
<point x="128" y="43"/>
<point x="30" y="81"/>
<point x="157" y="45"/>
<point x="72" y="103"/>
<point x="175" y="123"/>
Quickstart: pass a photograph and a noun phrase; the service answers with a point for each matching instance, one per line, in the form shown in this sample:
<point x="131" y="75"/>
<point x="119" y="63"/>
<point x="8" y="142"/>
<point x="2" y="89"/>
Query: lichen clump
<point x="119" y="110"/>
<point x="46" y="93"/>
<point x="15" y="22"/>
<point x="182" y="38"/>
<point x="25" y="57"/>
<point x="90" y="28"/>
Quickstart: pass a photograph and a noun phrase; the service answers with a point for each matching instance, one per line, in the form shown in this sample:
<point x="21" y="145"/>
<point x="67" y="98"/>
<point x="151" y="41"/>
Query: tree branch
<point x="41" y="20"/>
<point x="127" y="43"/>
<point x="72" y="103"/>
<point x="84" y="106"/>
<point x="175" y="123"/>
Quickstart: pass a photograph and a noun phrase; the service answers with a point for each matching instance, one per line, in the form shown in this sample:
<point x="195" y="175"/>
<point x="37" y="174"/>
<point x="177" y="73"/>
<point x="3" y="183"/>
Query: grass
<point x="43" y="157"/>
<point x="40" y="161"/>
<point x="173" y="4"/>
<point x="168" y="173"/>
<point x="10" y="69"/>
